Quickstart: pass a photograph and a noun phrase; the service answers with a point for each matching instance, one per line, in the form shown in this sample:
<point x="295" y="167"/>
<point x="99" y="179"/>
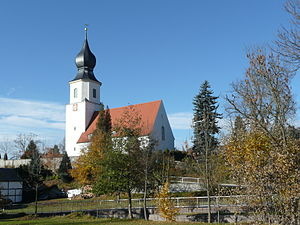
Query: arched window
<point x="163" y="136"/>
<point x="75" y="93"/>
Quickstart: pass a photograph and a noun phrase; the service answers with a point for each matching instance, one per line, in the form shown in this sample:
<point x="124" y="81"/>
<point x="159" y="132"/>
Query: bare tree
<point x="288" y="43"/>
<point x="22" y="141"/>
<point x="264" y="98"/>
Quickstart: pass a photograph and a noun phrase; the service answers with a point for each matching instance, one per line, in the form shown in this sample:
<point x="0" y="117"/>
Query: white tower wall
<point x="79" y="112"/>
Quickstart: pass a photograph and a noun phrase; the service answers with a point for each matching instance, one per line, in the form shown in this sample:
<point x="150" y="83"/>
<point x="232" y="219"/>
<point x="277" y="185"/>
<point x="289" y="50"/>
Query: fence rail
<point x="84" y="205"/>
<point x="186" y="180"/>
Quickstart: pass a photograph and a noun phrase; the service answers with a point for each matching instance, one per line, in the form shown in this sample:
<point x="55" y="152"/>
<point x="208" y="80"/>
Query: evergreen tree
<point x="35" y="167"/>
<point x="104" y="121"/>
<point x="55" y="150"/>
<point x="5" y="156"/>
<point x="65" y="166"/>
<point x="30" y="150"/>
<point x="205" y="119"/>
<point x="205" y="129"/>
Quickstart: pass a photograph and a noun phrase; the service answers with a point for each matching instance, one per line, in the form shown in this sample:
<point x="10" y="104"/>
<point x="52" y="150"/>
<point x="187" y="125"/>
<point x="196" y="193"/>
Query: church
<point x="83" y="109"/>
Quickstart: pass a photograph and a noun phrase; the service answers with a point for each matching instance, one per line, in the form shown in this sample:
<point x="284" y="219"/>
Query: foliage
<point x="165" y="205"/>
<point x="22" y="141"/>
<point x="263" y="154"/>
<point x="64" y="168"/>
<point x="205" y="129"/>
<point x="30" y="150"/>
<point x="87" y="168"/>
<point x="205" y="120"/>
<point x="178" y="155"/>
<point x="270" y="175"/>
<point x="34" y="168"/>
<point x="121" y="164"/>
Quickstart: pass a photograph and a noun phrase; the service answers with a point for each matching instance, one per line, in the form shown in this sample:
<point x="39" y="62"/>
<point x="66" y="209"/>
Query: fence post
<point x="218" y="208"/>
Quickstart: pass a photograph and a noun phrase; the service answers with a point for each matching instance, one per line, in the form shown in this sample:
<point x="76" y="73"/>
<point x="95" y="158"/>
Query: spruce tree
<point x="30" y="150"/>
<point x="64" y="168"/>
<point x="205" y="119"/>
<point x="205" y="128"/>
<point x="104" y="121"/>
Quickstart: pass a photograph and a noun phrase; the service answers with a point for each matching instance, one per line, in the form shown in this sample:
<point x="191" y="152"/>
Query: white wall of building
<point x="79" y="112"/>
<point x="84" y="91"/>
<point x="162" y="121"/>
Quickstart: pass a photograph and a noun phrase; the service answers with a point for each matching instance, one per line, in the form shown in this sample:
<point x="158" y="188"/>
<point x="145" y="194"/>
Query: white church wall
<point x="162" y="121"/>
<point x="75" y="125"/>
<point x="77" y="122"/>
<point x="94" y="85"/>
<point x="84" y="91"/>
<point x="75" y="85"/>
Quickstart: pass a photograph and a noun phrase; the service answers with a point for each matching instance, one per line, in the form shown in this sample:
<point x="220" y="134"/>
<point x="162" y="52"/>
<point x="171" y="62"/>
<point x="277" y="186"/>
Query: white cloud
<point x="181" y="120"/>
<point x="23" y="116"/>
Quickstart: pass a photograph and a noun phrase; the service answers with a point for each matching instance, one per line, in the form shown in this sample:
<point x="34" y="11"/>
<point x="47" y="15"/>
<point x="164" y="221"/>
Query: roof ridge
<point x="136" y="104"/>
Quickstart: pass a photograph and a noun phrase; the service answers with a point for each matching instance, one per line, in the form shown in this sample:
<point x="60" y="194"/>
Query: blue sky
<point x="146" y="50"/>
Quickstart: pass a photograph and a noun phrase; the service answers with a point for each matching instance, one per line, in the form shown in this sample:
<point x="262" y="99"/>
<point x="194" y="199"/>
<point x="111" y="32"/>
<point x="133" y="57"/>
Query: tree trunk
<point x="145" y="192"/>
<point x="207" y="172"/>
<point x="36" y="199"/>
<point x="129" y="204"/>
<point x="208" y="193"/>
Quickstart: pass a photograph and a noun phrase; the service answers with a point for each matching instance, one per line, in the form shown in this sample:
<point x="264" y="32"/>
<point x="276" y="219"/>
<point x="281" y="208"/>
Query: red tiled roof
<point x="148" y="112"/>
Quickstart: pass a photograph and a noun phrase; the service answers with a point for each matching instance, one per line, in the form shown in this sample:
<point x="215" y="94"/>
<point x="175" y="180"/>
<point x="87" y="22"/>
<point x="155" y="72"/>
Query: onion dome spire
<point x="85" y="62"/>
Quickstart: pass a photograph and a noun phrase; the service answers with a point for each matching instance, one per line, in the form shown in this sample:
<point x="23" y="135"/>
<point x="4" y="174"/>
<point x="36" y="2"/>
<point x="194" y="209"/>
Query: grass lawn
<point x="85" y="220"/>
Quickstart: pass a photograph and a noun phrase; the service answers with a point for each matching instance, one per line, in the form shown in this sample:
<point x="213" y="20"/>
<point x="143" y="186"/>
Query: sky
<point x="146" y="50"/>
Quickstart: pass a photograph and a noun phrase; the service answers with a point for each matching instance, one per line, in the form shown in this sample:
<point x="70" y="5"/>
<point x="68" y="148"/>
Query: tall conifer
<point x="205" y="119"/>
<point x="205" y="128"/>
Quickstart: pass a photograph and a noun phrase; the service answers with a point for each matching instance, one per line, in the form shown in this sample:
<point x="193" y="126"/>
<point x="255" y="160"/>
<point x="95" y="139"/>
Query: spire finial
<point x="86" y="30"/>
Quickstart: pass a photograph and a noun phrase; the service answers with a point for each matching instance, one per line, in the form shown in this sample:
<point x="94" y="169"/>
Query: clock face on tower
<point x="75" y="107"/>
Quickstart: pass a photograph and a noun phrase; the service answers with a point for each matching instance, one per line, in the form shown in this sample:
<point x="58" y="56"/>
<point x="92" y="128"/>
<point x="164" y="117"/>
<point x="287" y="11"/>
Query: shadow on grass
<point x="85" y="220"/>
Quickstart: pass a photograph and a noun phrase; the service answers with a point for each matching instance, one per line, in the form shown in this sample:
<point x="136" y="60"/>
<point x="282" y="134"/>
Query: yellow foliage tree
<point x="269" y="174"/>
<point x="166" y="206"/>
<point x="88" y="166"/>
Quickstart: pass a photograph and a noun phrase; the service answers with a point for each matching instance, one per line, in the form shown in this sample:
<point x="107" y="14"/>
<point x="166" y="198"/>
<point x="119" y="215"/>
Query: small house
<point x="11" y="184"/>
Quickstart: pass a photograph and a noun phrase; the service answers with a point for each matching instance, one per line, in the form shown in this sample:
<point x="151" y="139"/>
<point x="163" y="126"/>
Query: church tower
<point x="84" y="98"/>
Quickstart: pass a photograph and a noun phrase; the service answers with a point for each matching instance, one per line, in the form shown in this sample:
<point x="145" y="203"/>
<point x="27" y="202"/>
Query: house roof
<point x="148" y="112"/>
<point x="9" y="174"/>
